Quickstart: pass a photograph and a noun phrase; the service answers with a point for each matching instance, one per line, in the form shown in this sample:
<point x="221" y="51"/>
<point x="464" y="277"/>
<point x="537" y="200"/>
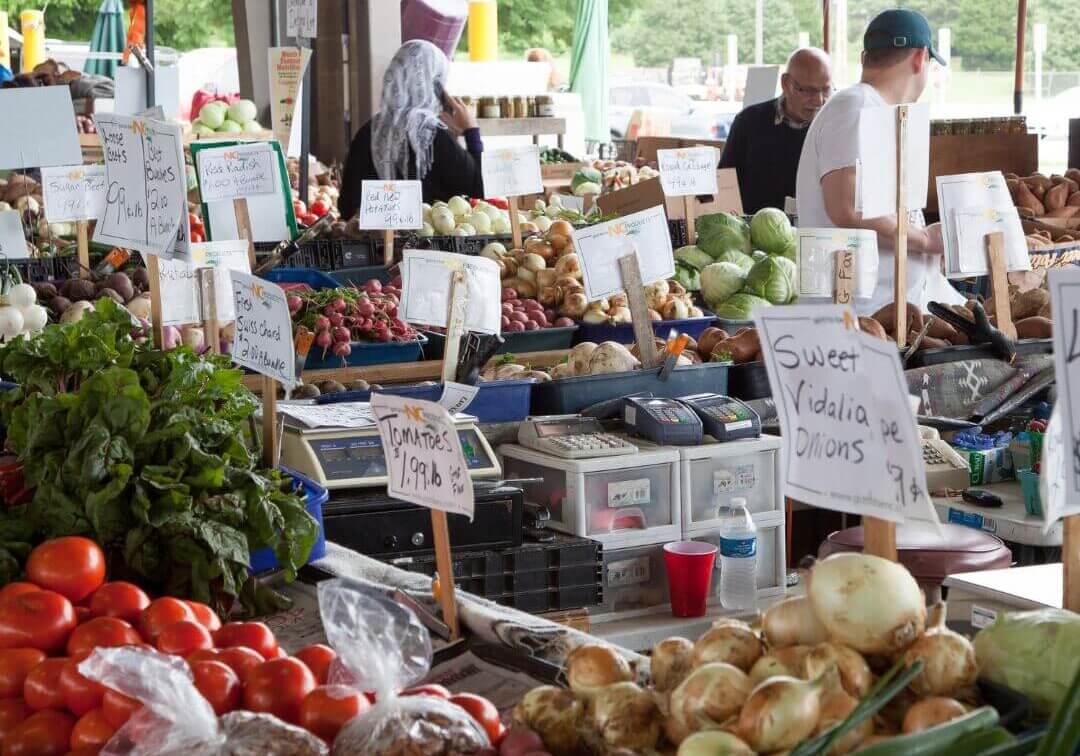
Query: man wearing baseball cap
<point x="896" y="60"/>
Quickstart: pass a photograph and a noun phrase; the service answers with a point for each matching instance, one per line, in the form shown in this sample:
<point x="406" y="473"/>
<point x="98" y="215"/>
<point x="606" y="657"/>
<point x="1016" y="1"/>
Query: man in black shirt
<point x="766" y="139"/>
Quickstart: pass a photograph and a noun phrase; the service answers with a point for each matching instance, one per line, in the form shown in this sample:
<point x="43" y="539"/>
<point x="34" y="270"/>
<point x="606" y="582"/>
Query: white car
<point x="688" y="118"/>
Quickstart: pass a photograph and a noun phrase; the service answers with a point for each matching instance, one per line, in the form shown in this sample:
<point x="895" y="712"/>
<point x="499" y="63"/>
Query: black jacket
<point x="765" y="154"/>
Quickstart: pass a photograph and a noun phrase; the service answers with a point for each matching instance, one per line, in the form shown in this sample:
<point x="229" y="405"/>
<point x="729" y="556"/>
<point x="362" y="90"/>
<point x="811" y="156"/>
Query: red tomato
<point x="317" y="657"/>
<point x="219" y="685"/>
<point x="42" y="687"/>
<point x="326" y="709"/>
<point x="81" y="694"/>
<point x="278" y="686"/>
<point x="237" y="658"/>
<point x="161" y="613"/>
<point x="184" y="637"/>
<point x="17" y="589"/>
<point x="197" y="237"/>
<point x="15" y="665"/>
<point x="205" y="616"/>
<point x="118" y="599"/>
<point x="44" y="733"/>
<point x="254" y="635"/>
<point x="426" y="690"/>
<point x="299" y="208"/>
<point x="42" y="619"/>
<point x="101" y="631"/>
<point x="92" y="731"/>
<point x="319" y="208"/>
<point x="118" y="708"/>
<point x="12" y="711"/>
<point x="483" y="711"/>
<point x="72" y="566"/>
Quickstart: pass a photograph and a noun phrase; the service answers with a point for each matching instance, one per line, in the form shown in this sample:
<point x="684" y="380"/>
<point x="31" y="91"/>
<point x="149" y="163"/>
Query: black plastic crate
<point x="38" y="269"/>
<point x="534" y="602"/>
<point x="472" y="245"/>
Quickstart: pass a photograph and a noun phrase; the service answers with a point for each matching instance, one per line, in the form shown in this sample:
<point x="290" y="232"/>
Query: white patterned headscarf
<point x="410" y="107"/>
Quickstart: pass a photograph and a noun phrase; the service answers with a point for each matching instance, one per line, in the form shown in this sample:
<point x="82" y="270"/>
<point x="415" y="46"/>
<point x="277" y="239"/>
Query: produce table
<point x="977" y="597"/>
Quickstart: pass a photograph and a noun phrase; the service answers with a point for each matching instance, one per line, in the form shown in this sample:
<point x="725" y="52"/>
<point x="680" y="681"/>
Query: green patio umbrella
<point x="588" y="67"/>
<point x="110" y="36"/>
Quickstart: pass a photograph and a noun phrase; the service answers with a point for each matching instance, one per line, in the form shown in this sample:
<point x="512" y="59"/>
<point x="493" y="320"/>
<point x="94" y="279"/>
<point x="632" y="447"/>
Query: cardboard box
<point x="989" y="465"/>
<point x="559" y="171"/>
<point x="648" y="145"/>
<point x="646" y="194"/>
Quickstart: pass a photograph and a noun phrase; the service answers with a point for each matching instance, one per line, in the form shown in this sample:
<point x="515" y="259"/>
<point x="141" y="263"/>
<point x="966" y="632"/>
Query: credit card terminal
<point x="724" y="418"/>
<point x="665" y="422"/>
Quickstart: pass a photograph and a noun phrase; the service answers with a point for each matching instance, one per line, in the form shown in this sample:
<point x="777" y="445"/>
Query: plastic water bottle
<point x="738" y="558"/>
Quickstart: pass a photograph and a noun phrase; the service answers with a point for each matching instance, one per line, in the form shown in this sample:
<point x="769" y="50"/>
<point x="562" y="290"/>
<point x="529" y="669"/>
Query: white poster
<point x="73" y="192"/>
<point x="816" y="250"/>
<point x="512" y="171"/>
<point x="600" y="246"/>
<point x="425" y="289"/>
<point x="972" y="205"/>
<point x="37" y="128"/>
<point x="262" y="338"/>
<point x="1065" y="308"/>
<point x="877" y="159"/>
<point x="226" y="173"/>
<point x="286" y="73"/>
<point x="393" y="205"/>
<point x="688" y="171"/>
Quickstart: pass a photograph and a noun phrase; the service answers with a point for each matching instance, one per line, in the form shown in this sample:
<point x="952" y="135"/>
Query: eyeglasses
<point x="825" y="92"/>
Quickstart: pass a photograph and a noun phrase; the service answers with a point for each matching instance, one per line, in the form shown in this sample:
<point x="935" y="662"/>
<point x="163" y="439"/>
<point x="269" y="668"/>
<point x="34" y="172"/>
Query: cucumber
<point x="937" y="740"/>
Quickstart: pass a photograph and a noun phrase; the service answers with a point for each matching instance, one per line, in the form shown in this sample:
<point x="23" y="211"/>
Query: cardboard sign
<point x="853" y="445"/>
<point x="301" y="18"/>
<point x="180" y="299"/>
<point x="971" y="206"/>
<point x="226" y="173"/>
<point x="38" y="128"/>
<point x="646" y="194"/>
<point x="424" y="461"/>
<point x="262" y="339"/>
<point x="146" y="193"/>
<point x="689" y="171"/>
<point x="286" y="69"/>
<point x="815" y="253"/>
<point x="599" y="248"/>
<point x="876" y="197"/>
<point x="12" y="236"/>
<point x="425" y="289"/>
<point x="457" y="397"/>
<point x="512" y="171"/>
<point x="183" y="299"/>
<point x="1065" y="308"/>
<point x="1055" y="473"/>
<point x="73" y="192"/>
<point x="391" y="205"/>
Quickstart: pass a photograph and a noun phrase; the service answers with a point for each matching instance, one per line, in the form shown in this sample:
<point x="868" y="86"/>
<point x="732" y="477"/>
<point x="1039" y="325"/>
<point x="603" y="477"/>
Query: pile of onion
<point x="593" y="666"/>
<point x="731" y="642"/>
<point x="711" y="695"/>
<point x="948" y="658"/>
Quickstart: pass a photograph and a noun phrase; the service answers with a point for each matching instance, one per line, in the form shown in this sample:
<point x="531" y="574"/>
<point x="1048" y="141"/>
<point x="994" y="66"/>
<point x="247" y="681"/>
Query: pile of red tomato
<point x="65" y="610"/>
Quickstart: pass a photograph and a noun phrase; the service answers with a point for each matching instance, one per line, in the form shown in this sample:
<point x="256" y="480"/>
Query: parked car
<point x="702" y="119"/>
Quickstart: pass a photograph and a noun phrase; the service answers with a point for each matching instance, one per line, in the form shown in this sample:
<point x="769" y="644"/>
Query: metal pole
<point x="150" y="94"/>
<point x="305" y="126"/>
<point x="275" y="32"/>
<point x="1018" y="82"/>
<point x="759" y="32"/>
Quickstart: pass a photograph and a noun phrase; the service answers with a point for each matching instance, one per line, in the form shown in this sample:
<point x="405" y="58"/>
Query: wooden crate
<point x="971" y="153"/>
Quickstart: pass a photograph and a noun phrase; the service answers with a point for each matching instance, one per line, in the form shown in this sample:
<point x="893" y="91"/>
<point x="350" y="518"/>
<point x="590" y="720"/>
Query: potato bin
<point x="713" y="473"/>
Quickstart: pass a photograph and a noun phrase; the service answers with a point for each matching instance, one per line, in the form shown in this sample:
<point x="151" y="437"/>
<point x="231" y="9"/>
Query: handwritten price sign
<point x="1065" y="306"/>
<point x="227" y="173"/>
<point x="424" y="461"/>
<point x="512" y="171"/>
<point x="391" y="205"/>
<point x="73" y="192"/>
<point x="601" y="245"/>
<point x="263" y="334"/>
<point x="689" y="171"/>
<point x="301" y="17"/>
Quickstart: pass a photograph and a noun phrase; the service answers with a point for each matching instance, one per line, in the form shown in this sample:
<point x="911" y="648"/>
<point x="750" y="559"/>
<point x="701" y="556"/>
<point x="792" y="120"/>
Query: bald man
<point x="766" y="139"/>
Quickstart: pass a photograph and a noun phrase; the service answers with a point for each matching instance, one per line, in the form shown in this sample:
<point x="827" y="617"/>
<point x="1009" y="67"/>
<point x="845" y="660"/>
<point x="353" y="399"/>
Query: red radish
<point x="383" y="335"/>
<point x="295" y="303"/>
<point x="341" y="334"/>
<point x="337" y="319"/>
<point x="365" y="308"/>
<point x="322" y="323"/>
<point x="323" y="340"/>
<point x="339" y="305"/>
<point x="374" y="286"/>
<point x="396" y="282"/>
<point x="508" y="294"/>
<point x="391" y="311"/>
<point x="342" y="349"/>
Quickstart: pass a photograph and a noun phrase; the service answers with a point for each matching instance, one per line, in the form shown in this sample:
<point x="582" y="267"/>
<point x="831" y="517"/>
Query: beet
<point x="79" y="290"/>
<point x="59" y="304"/>
<point x="121" y="284"/>
<point x="330" y="387"/>
<point x="140" y="278"/>
<point x="306" y="391"/>
<point x="45" y="291"/>
<point x="111" y="294"/>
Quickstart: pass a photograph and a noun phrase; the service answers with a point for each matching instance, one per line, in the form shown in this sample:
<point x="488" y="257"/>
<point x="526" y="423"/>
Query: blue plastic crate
<point x="568" y="396"/>
<point x="315" y="497"/>
<point x="367" y="353"/>
<point x="624" y="332"/>
<point x="316" y="279"/>
<point x="496" y="402"/>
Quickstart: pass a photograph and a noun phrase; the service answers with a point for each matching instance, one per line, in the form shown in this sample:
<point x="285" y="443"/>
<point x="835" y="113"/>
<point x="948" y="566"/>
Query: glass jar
<point x="506" y="107"/>
<point x="521" y="108"/>
<point x="530" y="107"/>
<point x="545" y="106"/>
<point x="489" y="107"/>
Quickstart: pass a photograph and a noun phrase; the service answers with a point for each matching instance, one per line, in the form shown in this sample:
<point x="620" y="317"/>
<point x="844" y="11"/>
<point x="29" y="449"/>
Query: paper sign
<point x="286" y="68"/>
<point x="512" y="171"/>
<point x="456" y="397"/>
<point x="182" y="297"/>
<point x="569" y="202"/>
<point x="688" y="171"/>
<point x="146" y="193"/>
<point x="1065" y="308"/>
<point x="262" y="338"/>
<point x="38" y="127"/>
<point x="1056" y="473"/>
<point x="853" y="445"/>
<point x="877" y="159"/>
<point x="425" y="289"/>
<point x="226" y="173"/>
<point x="599" y="248"/>
<point x="816" y="255"/>
<point x="336" y="415"/>
<point x="73" y="192"/>
<point x="971" y="206"/>
<point x="271" y="215"/>
<point x="394" y="205"/>
<point x="12" y="236"/>
<point x="301" y="17"/>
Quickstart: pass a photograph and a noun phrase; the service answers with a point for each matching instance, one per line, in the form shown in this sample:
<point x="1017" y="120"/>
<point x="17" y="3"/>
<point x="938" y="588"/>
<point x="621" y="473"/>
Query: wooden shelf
<point x="534" y="127"/>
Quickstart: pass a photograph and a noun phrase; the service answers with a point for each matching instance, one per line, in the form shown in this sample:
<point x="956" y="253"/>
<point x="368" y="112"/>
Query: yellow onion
<point x="670" y="662"/>
<point x="714" y="743"/>
<point x="556" y="716"/>
<point x="836" y="705"/>
<point x="792" y="622"/>
<point x="948" y="658"/>
<point x="787" y="662"/>
<point x="930" y="712"/>
<point x="780" y="713"/>
<point x="854" y="672"/>
<point x="705" y="700"/>
<point x="626" y="716"/>
<point x="868" y="603"/>
<point x="730" y="642"/>
<point x="592" y="666"/>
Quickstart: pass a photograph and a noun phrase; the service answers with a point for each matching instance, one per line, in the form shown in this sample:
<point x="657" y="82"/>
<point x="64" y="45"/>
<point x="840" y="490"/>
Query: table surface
<point x="1025" y="587"/>
<point x="1010" y="521"/>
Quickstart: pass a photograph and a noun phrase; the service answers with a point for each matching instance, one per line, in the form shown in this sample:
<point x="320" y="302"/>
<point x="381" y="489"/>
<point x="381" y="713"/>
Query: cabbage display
<point x="688" y="276"/>
<point x="770" y="280"/>
<point x="790" y="270"/>
<point x="744" y="261"/>
<point x="740" y="307"/>
<point x="693" y="257"/>
<point x="720" y="281"/>
<point x="720" y="232"/>
<point x="585" y="176"/>
<point x="772" y="232"/>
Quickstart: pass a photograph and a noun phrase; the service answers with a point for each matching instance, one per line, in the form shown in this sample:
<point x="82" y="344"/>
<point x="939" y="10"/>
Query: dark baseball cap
<point x="902" y="29"/>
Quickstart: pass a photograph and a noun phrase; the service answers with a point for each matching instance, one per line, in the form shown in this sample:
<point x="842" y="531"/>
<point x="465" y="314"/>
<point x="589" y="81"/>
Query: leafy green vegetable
<point x="771" y="231"/>
<point x="720" y="281"/>
<point x="585" y="176"/>
<point x="693" y="257"/>
<point x="720" y="232"/>
<point x="740" y="307"/>
<point x="741" y="259"/>
<point x="770" y="280"/>
<point x="688" y="276"/>
<point x="791" y="270"/>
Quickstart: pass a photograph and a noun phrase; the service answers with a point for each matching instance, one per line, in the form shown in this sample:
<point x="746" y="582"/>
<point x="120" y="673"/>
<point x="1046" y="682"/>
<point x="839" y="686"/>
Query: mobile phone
<point x="981" y="498"/>
<point x="440" y="94"/>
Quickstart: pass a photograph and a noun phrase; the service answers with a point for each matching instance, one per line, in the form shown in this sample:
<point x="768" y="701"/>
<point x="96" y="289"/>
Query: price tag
<point x="424" y="461"/>
<point x="12" y="237"/>
<point x="301" y="17"/>
<point x="73" y="192"/>
<point x="226" y="173"/>
<point x="391" y="205"/>
<point x="512" y="171"/>
<point x="182" y="299"/>
<point x="262" y="338"/>
<point x="688" y="171"/>
<point x="146" y="186"/>
<point x="853" y="444"/>
<point x="457" y="397"/>
<point x="816" y="255"/>
<point x="425" y="294"/>
<point x="969" y="229"/>
<point x="1065" y="308"/>
<point x="599" y="248"/>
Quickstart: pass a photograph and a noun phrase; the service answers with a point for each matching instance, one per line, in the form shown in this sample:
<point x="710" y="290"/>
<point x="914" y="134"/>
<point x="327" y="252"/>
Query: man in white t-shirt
<point x="896" y="58"/>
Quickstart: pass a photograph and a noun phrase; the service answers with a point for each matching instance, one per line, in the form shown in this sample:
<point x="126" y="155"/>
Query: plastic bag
<point x="384" y="648"/>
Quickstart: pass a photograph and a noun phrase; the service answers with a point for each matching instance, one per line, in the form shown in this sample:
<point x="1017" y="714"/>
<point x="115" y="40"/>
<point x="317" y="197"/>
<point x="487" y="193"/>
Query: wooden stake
<point x="269" y="421"/>
<point x="844" y="277"/>
<point x="690" y="206"/>
<point x="82" y="236"/>
<point x="153" y="272"/>
<point x="1070" y="557"/>
<point x="211" y="324"/>
<point x="388" y="247"/>
<point x="900" y="267"/>
<point x="515" y="222"/>
<point x="639" y="310"/>
<point x="999" y="283"/>
<point x="879" y="538"/>
<point x="243" y="227"/>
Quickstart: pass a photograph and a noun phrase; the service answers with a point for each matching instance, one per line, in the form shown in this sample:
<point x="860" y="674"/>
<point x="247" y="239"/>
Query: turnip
<point x="610" y="357"/>
<point x="170" y="336"/>
<point x="35" y="317"/>
<point x="194" y="338"/>
<point x="140" y="307"/>
<point x="11" y="322"/>
<point x="72" y="314"/>
<point x="21" y="295"/>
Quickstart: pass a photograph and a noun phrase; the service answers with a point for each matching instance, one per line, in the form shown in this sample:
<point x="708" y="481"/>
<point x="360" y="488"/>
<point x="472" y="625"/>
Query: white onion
<point x="854" y="672"/>
<point x="714" y="743"/>
<point x="732" y="643"/>
<point x="786" y="662"/>
<point x="706" y="699"/>
<point x="555" y="715"/>
<point x="670" y="662"/>
<point x="21" y="295"/>
<point x="592" y="666"/>
<point x="948" y="659"/>
<point x="836" y="705"/>
<point x="35" y="317"/>
<point x="930" y="712"/>
<point x="780" y="713"/>
<point x="792" y="622"/>
<point x="626" y="717"/>
<point x="11" y="322"/>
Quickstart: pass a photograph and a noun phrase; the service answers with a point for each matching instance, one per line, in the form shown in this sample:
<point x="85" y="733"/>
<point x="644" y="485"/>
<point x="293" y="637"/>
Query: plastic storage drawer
<point x="626" y="500"/>
<point x="771" y="556"/>
<point x="712" y="474"/>
<point x="634" y="581"/>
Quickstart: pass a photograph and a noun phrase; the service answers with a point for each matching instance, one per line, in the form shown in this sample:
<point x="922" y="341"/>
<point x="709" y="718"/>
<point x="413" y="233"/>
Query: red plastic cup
<point x="689" y="571"/>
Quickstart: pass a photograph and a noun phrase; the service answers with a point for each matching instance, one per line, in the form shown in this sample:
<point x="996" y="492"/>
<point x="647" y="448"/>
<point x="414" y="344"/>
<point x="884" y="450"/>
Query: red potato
<point x="520" y="741"/>
<point x="515" y="326"/>
<point x="520" y="317"/>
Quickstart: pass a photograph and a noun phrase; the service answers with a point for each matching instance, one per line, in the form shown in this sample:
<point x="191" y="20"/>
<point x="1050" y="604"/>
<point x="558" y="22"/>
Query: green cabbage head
<point x="719" y="232"/>
<point x="771" y="231"/>
<point x="744" y="261"/>
<point x="792" y="272"/>
<point x="769" y="280"/>
<point x="740" y="307"/>
<point x="721" y="280"/>
<point x="692" y="256"/>
<point x="586" y="176"/>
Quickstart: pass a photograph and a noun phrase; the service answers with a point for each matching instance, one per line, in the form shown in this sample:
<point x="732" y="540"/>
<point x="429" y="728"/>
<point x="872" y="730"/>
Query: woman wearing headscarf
<point x="415" y="134"/>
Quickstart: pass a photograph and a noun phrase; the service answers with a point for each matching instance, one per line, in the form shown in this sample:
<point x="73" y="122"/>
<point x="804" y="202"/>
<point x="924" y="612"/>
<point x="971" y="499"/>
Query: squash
<point x="1056" y="197"/>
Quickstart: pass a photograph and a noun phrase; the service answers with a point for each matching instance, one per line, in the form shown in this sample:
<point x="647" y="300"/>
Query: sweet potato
<point x="1074" y="200"/>
<point x="929" y="342"/>
<point x="1038" y="182"/>
<point x="1027" y="200"/>
<point x="742" y="348"/>
<point x="939" y="329"/>
<point x="1028" y="303"/>
<point x="710" y="337"/>
<point x="1058" y="180"/>
<point x="1066" y="211"/>
<point x="1056" y="197"/>
<point x="960" y="338"/>
<point x="887" y="317"/>
<point x="874" y="328"/>
<point x="1034" y="328"/>
<point x="1073" y="174"/>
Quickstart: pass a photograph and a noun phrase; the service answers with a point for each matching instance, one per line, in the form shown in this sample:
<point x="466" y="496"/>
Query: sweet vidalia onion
<point x="714" y="743"/>
<point x="792" y="622"/>
<point x="930" y="712"/>
<point x="866" y="602"/>
<point x="730" y="642"/>
<point x="780" y="713"/>
<point x="706" y="699"/>
<point x="948" y="658"/>
<point x="555" y="715"/>
<point x="670" y="662"/>
<point x="836" y="705"/>
<point x="592" y="666"/>
<point x="626" y="717"/>
<point x="779" y="662"/>
<point x="854" y="672"/>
